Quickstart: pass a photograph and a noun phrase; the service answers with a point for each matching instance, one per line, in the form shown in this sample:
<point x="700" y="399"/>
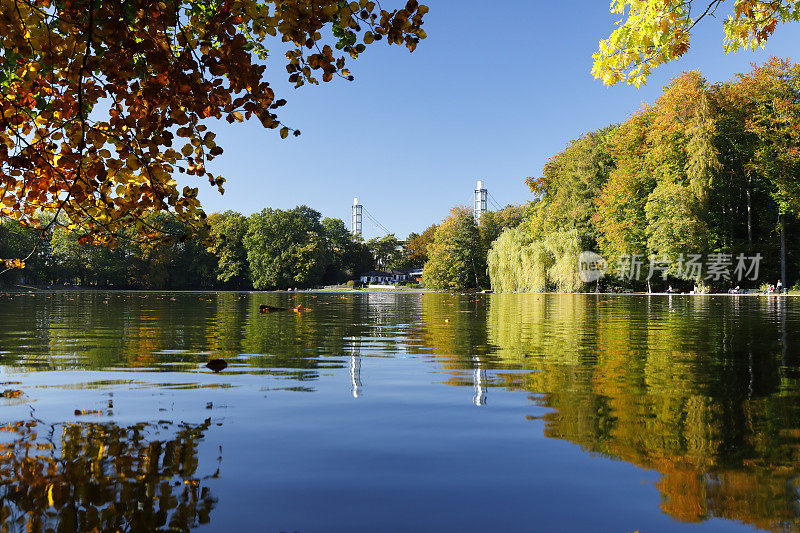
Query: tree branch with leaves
<point x="651" y="33"/>
<point x="103" y="104"/>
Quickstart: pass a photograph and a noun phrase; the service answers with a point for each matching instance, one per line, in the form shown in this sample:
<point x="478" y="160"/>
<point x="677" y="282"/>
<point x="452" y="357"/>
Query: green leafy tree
<point x="84" y="264"/>
<point x="386" y="251"/>
<point x="674" y="222"/>
<point x="773" y="91"/>
<point x="71" y="258"/>
<point x="179" y="263"/>
<point x="360" y="258"/>
<point x="517" y="262"/>
<point x="349" y="256"/>
<point x="228" y="230"/>
<point x="20" y="241"/>
<point x="456" y="259"/>
<point x="569" y="186"/>
<point x="620" y="215"/>
<point x="286" y="248"/>
<point x="492" y="223"/>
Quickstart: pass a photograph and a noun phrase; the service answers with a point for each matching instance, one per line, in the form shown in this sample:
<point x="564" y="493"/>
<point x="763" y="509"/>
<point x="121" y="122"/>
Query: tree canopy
<point x="456" y="258"/>
<point x="653" y="32"/>
<point x="103" y="104"/>
<point x="349" y="256"/>
<point x="233" y="262"/>
<point x="415" y="249"/>
<point x="286" y="248"/>
<point x="705" y="169"/>
<point x="228" y="230"/>
<point x="386" y="251"/>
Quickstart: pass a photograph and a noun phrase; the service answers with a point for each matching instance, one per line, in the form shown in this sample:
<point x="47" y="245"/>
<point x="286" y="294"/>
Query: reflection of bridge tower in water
<point x="479" y="383"/>
<point x="355" y="367"/>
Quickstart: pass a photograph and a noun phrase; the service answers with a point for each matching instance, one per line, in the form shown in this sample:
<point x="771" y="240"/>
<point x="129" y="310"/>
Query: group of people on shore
<point x="771" y="289"/>
<point x="777" y="288"/>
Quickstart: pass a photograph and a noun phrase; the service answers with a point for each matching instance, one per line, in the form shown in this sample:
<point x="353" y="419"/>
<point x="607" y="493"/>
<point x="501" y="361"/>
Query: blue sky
<point x="492" y="93"/>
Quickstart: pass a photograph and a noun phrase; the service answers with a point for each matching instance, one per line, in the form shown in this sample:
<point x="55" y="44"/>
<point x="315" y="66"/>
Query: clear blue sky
<point x="492" y="93"/>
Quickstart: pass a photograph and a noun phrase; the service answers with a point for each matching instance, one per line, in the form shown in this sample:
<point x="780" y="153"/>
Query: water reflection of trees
<point x="703" y="390"/>
<point x="102" y="477"/>
<point x="695" y="388"/>
<point x="181" y="331"/>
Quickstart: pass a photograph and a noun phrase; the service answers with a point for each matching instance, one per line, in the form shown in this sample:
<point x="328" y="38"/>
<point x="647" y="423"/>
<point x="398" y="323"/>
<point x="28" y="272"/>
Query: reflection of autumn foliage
<point x="634" y="382"/>
<point x="101" y="477"/>
<point x="453" y="326"/>
<point x="757" y="498"/>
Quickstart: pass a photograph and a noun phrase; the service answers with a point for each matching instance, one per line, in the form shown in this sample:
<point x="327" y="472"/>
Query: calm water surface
<point x="409" y="412"/>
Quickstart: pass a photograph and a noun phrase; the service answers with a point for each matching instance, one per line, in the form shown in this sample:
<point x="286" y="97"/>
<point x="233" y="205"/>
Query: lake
<point x="399" y="412"/>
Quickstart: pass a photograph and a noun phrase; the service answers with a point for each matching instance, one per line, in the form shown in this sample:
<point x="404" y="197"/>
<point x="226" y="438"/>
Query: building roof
<point x="376" y="273"/>
<point x="405" y="271"/>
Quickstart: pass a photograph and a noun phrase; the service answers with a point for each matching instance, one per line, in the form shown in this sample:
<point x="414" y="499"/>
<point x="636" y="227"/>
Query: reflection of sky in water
<point x="398" y="412"/>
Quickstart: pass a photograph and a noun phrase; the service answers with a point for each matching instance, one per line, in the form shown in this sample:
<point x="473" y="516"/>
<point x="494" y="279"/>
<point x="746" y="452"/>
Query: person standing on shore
<point x="779" y="286"/>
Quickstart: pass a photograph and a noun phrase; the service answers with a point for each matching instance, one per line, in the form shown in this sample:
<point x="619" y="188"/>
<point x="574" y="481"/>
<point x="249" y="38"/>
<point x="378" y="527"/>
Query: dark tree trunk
<point x="784" y="281"/>
<point x="749" y="215"/>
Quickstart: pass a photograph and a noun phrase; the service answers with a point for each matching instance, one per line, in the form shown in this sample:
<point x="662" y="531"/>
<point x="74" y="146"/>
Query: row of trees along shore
<point x="707" y="168"/>
<point x="272" y="249"/>
<point x="675" y="175"/>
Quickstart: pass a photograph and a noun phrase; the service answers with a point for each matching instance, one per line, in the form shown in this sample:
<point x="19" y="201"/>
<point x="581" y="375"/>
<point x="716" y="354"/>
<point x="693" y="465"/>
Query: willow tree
<point x="104" y="104"/>
<point x="519" y="263"/>
<point x="564" y="246"/>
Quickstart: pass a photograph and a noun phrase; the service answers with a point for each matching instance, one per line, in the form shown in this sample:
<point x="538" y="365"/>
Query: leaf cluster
<point x="650" y="33"/>
<point x="104" y="104"/>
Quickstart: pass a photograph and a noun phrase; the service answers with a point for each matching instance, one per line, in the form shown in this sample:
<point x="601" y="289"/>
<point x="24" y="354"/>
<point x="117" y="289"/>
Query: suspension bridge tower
<point x="356" y="212"/>
<point x="481" y="200"/>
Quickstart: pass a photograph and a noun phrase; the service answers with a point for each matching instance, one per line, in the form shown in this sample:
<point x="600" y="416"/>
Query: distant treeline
<point x="709" y="170"/>
<point x="273" y="249"/>
<point x="706" y="169"/>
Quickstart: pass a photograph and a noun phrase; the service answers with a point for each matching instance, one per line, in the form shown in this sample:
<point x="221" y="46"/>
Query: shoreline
<point x="406" y="290"/>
